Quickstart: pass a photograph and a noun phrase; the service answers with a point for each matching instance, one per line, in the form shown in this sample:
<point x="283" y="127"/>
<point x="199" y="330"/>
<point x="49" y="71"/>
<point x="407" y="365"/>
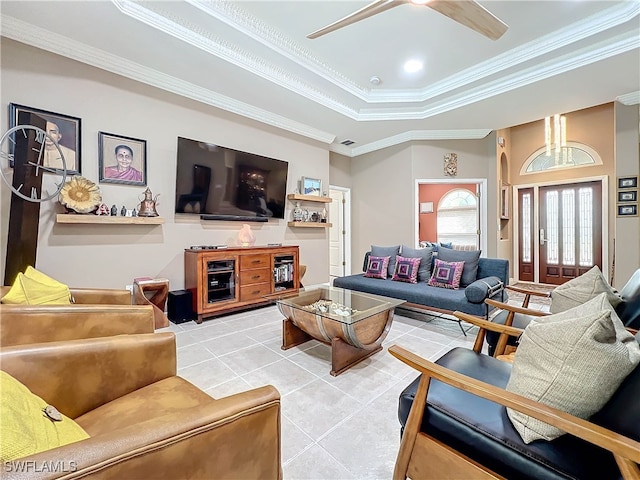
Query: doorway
<point x="479" y="186"/>
<point x="560" y="230"/>
<point x="339" y="232"/>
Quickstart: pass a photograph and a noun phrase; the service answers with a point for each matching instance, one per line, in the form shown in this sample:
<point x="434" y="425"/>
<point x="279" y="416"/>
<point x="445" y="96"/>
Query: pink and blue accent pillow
<point x="377" y="267"/>
<point x="446" y="274"/>
<point x="406" y="269"/>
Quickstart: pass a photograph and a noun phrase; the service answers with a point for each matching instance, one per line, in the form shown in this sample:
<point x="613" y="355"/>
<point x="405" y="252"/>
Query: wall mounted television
<point x="219" y="183"/>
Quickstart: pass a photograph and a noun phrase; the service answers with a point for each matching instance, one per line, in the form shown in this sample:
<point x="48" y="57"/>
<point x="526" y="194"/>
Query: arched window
<point x="458" y="218"/>
<point x="572" y="156"/>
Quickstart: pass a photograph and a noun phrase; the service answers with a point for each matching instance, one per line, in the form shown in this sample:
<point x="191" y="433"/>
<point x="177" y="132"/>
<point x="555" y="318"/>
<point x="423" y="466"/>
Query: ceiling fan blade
<point x="365" y="12"/>
<point x="472" y="15"/>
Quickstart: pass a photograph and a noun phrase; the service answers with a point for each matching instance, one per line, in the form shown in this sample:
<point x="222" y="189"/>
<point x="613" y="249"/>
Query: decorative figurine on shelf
<point x="123" y="211"/>
<point x="148" y="205"/>
<point x="297" y="213"/>
<point x="323" y="215"/>
<point x="314" y="217"/>
<point x="135" y="212"/>
<point x="114" y="211"/>
<point x="246" y="238"/>
<point x="102" y="210"/>
<point x="305" y="215"/>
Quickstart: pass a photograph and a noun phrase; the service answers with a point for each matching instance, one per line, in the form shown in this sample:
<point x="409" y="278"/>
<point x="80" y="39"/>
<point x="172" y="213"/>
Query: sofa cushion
<point x="582" y="289"/>
<point x="481" y="429"/>
<point x="390" y="252"/>
<point x="573" y="361"/>
<point x="424" y="254"/>
<point x="377" y="267"/>
<point x="35" y="288"/>
<point x="470" y="259"/>
<point x="406" y="269"/>
<point x="446" y="274"/>
<point x="25" y="428"/>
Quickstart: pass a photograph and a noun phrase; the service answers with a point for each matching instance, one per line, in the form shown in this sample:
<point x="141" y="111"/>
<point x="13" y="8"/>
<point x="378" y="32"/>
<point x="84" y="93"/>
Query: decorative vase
<point x="245" y="236"/>
<point x="297" y="213"/>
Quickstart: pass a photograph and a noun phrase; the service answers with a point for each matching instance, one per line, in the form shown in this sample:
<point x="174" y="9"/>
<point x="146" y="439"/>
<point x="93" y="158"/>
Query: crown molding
<point x="586" y="56"/>
<point x="61" y="45"/>
<point x="409" y="136"/>
<point x="632" y="98"/>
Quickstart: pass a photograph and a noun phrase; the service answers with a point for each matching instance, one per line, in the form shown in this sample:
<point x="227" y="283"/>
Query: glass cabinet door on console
<point x="219" y="281"/>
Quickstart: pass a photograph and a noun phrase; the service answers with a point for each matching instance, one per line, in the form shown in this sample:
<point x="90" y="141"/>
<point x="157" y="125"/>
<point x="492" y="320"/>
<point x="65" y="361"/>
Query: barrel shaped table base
<point x="344" y="354"/>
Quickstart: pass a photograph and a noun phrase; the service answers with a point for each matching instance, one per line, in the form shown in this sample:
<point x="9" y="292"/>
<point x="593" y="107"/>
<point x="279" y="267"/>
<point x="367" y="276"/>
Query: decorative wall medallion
<point x="451" y="164"/>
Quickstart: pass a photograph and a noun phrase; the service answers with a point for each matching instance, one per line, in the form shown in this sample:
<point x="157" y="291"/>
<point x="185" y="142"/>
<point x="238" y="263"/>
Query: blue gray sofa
<point x="421" y="295"/>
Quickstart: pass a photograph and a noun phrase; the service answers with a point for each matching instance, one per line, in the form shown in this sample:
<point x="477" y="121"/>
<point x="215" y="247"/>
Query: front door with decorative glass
<point x="570" y="231"/>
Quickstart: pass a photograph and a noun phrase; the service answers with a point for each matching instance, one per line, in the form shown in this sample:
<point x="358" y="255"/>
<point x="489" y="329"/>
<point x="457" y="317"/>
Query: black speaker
<point x="180" y="307"/>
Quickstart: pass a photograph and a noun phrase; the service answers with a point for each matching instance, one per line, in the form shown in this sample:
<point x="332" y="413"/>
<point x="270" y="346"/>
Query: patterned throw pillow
<point x="377" y="267"/>
<point x="446" y="274"/>
<point x="406" y="269"/>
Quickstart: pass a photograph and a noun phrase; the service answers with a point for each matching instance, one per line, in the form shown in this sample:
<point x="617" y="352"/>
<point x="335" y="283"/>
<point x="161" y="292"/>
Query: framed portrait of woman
<point x="122" y="159"/>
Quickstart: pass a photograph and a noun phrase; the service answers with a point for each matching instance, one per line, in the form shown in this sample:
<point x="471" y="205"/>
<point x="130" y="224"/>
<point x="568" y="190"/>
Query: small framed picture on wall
<point x="627" y="182"/>
<point x="122" y="159"/>
<point x="627" y="196"/>
<point x="628" y="210"/>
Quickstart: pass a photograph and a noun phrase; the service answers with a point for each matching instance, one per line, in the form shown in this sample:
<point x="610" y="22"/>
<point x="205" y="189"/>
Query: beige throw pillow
<point x="573" y="361"/>
<point x="582" y="289"/>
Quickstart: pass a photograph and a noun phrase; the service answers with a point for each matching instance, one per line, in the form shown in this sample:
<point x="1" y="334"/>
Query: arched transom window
<point x="458" y="217"/>
<point x="572" y="156"/>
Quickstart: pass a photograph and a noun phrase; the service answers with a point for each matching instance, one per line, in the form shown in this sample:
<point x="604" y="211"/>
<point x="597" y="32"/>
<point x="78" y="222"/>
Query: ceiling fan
<point x="467" y="12"/>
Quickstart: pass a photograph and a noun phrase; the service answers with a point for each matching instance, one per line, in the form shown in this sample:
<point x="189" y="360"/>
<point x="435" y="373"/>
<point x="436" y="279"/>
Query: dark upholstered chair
<point x="455" y="425"/>
<point x="628" y="310"/>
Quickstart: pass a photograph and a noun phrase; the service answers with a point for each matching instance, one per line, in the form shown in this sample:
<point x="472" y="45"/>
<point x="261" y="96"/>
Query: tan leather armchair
<point x="143" y="420"/>
<point x="22" y="324"/>
<point x="110" y="296"/>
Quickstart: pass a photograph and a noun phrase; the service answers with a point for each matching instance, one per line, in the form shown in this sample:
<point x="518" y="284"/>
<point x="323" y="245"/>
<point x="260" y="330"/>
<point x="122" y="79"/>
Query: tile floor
<point x="343" y="427"/>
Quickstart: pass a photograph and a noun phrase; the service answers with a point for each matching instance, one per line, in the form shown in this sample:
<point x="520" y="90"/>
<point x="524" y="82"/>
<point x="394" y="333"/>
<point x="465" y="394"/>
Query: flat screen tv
<point x="220" y="183"/>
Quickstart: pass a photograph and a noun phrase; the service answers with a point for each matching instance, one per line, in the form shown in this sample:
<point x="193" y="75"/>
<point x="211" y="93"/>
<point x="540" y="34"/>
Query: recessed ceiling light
<point x="412" y="66"/>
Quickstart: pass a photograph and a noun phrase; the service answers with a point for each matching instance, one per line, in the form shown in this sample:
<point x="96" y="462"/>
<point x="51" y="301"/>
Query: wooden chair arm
<point x="618" y="444"/>
<point x="524" y="291"/>
<point x="515" y="308"/>
<point x="488" y="325"/>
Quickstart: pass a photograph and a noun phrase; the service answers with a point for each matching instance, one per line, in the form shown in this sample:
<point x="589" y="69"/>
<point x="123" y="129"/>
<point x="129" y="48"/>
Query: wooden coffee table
<point x="353" y="323"/>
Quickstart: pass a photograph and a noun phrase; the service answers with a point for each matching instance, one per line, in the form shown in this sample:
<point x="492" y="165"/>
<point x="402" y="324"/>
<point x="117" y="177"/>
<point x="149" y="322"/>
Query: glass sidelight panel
<point x="552" y="240"/>
<point x="527" y="239"/>
<point x="568" y="227"/>
<point x="586" y="226"/>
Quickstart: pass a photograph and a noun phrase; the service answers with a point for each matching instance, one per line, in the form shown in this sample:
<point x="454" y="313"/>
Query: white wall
<point x="110" y="256"/>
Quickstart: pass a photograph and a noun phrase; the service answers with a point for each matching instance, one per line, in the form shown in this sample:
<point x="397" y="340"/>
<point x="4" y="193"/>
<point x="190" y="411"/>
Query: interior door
<point x="337" y="261"/>
<point x="526" y="247"/>
<point x="570" y="233"/>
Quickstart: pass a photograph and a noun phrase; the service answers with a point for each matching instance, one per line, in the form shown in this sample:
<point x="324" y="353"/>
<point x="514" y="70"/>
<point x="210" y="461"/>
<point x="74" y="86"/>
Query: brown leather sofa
<point x="143" y="420"/>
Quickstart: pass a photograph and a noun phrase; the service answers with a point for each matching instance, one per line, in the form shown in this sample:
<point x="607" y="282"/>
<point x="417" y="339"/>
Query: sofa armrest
<point x="23" y="324"/>
<point x="79" y="375"/>
<point x="483" y="288"/>
<point x="626" y="450"/>
<point x="234" y="437"/>
<point x="110" y="296"/>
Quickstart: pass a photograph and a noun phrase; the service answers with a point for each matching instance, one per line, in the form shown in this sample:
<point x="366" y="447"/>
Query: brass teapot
<point x="148" y="205"/>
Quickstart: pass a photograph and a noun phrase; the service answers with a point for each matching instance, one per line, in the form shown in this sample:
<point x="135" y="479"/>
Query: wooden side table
<point x="153" y="291"/>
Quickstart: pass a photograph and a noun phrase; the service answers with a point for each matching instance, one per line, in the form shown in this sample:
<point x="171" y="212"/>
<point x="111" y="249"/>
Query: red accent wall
<point x="433" y="193"/>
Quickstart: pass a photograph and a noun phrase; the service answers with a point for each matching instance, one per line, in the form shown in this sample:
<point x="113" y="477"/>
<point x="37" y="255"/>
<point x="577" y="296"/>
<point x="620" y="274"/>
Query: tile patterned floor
<point x="343" y="427"/>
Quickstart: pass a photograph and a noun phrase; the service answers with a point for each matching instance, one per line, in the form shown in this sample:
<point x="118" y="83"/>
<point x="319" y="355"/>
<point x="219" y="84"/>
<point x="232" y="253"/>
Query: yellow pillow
<point x="35" y="288"/>
<point x="24" y="428"/>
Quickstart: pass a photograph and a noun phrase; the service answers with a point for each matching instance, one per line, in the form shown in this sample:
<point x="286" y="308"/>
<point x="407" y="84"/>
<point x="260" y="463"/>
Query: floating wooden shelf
<point x="309" y="224"/>
<point x="309" y="198"/>
<point x="104" y="219"/>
